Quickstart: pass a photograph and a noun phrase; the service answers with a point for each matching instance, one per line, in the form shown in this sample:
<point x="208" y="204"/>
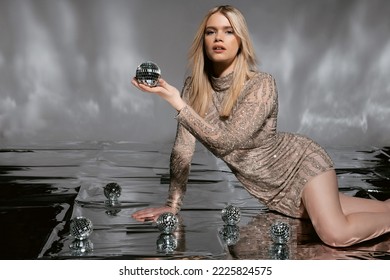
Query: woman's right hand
<point x="164" y="90"/>
<point x="151" y="214"/>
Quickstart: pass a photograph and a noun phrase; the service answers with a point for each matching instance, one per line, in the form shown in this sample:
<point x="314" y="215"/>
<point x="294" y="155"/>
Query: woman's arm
<point x="180" y="164"/>
<point x="180" y="161"/>
<point x="249" y="117"/>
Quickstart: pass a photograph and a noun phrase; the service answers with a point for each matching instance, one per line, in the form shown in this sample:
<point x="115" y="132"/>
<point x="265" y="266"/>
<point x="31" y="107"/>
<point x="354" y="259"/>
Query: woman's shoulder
<point x="258" y="79"/>
<point x="187" y="79"/>
<point x="186" y="87"/>
<point x="260" y="76"/>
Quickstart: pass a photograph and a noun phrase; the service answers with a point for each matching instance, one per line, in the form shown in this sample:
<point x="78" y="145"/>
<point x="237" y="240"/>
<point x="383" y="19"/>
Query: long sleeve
<point x="249" y="117"/>
<point x="180" y="164"/>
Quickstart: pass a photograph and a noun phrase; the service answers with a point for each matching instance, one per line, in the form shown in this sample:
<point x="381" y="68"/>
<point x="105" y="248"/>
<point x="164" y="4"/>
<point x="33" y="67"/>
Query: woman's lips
<point x="218" y="49"/>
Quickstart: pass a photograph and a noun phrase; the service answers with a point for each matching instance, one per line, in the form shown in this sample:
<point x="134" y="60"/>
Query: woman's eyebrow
<point x="221" y="27"/>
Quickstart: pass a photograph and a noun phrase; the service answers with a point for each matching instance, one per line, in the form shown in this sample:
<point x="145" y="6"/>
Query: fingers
<point x="150" y="214"/>
<point x="143" y="215"/>
<point x="141" y="86"/>
<point x="162" y="84"/>
<point x="144" y="218"/>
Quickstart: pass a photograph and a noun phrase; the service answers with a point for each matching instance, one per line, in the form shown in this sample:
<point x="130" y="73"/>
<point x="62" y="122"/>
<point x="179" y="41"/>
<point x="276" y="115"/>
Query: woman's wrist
<point x="175" y="208"/>
<point x="178" y="104"/>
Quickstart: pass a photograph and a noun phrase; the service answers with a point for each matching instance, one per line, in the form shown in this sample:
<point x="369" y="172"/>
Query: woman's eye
<point x="209" y="32"/>
<point x="230" y="31"/>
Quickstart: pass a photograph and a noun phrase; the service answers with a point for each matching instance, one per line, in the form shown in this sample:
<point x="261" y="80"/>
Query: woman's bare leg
<point x="322" y="202"/>
<point x="350" y="204"/>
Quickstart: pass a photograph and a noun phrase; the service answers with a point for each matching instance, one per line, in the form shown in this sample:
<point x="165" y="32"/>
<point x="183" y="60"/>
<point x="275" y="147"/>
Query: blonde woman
<point x="231" y="108"/>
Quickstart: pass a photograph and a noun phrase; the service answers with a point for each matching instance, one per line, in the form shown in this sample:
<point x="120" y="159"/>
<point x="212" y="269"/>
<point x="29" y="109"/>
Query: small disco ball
<point x="112" y="191"/>
<point x="280" y="232"/>
<point x="148" y="73"/>
<point x="167" y="222"/>
<point x="81" y="228"/>
<point x="230" y="234"/>
<point x="279" y="252"/>
<point x="166" y="243"/>
<point x="231" y="215"/>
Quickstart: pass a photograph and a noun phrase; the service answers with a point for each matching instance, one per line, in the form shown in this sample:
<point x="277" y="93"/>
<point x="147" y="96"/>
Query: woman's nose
<point x="218" y="37"/>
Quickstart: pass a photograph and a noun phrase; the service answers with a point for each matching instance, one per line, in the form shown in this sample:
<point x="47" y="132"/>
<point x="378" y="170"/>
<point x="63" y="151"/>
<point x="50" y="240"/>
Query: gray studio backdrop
<point x="66" y="65"/>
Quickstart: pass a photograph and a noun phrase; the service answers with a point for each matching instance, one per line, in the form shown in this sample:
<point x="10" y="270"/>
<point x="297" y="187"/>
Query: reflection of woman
<point x="255" y="243"/>
<point x="231" y="108"/>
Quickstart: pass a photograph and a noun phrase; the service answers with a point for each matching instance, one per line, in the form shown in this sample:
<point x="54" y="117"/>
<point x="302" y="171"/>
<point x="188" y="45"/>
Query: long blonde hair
<point x="201" y="67"/>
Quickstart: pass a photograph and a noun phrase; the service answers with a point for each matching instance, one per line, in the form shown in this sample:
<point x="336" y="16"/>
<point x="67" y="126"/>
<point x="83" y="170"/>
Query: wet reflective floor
<point x="42" y="187"/>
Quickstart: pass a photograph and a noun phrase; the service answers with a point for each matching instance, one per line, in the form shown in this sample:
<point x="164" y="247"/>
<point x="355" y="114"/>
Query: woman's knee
<point x="333" y="235"/>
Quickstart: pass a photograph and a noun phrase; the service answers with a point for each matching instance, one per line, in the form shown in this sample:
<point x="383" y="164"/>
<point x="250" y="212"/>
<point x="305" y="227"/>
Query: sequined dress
<point x="272" y="166"/>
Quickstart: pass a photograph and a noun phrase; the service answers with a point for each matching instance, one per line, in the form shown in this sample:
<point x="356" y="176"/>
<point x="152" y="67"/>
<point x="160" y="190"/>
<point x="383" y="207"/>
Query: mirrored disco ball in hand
<point x="231" y="215"/>
<point x="167" y="222"/>
<point x="280" y="232"/>
<point x="81" y="228"/>
<point x="148" y="73"/>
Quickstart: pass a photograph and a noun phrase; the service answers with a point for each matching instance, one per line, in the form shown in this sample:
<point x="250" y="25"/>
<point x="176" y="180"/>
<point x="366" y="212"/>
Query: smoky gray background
<point x="66" y="66"/>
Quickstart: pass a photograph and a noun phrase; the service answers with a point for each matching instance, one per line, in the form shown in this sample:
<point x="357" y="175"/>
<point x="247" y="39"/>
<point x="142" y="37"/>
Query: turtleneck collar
<point x="222" y="83"/>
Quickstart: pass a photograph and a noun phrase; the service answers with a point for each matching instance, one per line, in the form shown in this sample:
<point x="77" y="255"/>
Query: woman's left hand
<point x="152" y="213"/>
<point x="164" y="90"/>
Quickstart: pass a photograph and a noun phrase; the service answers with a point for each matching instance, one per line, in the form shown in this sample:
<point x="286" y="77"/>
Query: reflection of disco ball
<point x="112" y="191"/>
<point x="279" y="252"/>
<point x="81" y="227"/>
<point x="231" y="215"/>
<point x="230" y="234"/>
<point x="166" y="243"/>
<point x="280" y="232"/>
<point x="167" y="222"/>
<point x="148" y="73"/>
<point x="112" y="211"/>
<point x="81" y="247"/>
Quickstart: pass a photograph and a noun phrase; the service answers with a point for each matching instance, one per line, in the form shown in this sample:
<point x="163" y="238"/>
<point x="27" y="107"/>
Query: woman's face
<point x="220" y="42"/>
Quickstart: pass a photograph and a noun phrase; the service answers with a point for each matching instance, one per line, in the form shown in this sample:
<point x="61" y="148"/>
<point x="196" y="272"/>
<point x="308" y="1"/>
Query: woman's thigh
<point x="351" y="204"/>
<point x="322" y="200"/>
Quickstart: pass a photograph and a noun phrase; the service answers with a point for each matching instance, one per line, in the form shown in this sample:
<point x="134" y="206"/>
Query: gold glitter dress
<point x="272" y="166"/>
